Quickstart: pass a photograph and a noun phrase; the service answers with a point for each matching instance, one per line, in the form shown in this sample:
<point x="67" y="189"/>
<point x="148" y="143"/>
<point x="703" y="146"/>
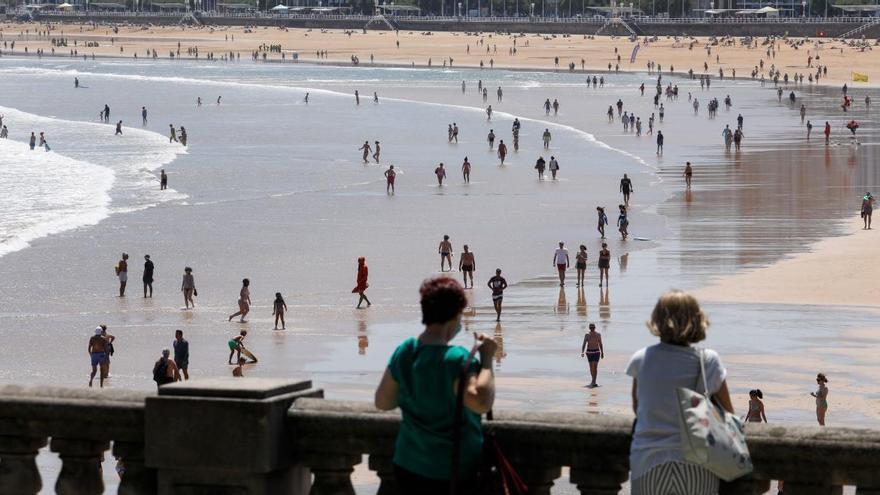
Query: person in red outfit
<point x="362" y="282"/>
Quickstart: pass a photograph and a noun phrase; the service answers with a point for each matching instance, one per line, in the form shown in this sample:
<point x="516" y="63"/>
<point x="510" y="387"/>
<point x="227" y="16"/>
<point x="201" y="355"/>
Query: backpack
<point x="160" y="371"/>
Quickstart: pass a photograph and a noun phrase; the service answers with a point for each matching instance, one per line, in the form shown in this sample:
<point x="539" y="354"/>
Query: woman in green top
<point x="422" y="379"/>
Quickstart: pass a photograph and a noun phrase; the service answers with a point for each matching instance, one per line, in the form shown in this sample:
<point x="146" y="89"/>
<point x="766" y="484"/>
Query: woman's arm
<point x="635" y="398"/>
<point x="722" y="398"/>
<point x="480" y="391"/>
<point x="763" y="415"/>
<point x="386" y="393"/>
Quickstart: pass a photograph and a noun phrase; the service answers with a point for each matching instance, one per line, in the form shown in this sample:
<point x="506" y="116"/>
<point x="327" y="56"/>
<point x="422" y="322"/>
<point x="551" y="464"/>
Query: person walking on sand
<point x="357" y="98"/>
<point x="467" y="265"/>
<point x="489" y="112"/>
<point x="604" y="264"/>
<point x="540" y="164"/>
<point x="688" y="174"/>
<point x="827" y="133"/>
<point x="867" y="210"/>
<point x="122" y="273"/>
<point x="809" y="129"/>
<point x="546" y="137"/>
<point x="626" y="188"/>
<point x="163" y="180"/>
<point x="144" y="116"/>
<point x="440" y="172"/>
<point x="33" y="141"/>
<point x="366" y="149"/>
<point x="118" y="128"/>
<point x="188" y="287"/>
<point x="362" y="284"/>
<point x="561" y="261"/>
<point x="244" y="301"/>
<point x="756" y="407"/>
<point x="377" y="152"/>
<point x="502" y="151"/>
<point x="623" y="222"/>
<point x="181" y="354"/>
<point x="593" y="350"/>
<point x="497" y="284"/>
<point x="445" y="250"/>
<point x="660" y="142"/>
<point x="490" y="138"/>
<point x="821" y="395"/>
<point x="603" y="220"/>
<point x="148" y="276"/>
<point x="580" y="265"/>
<point x="466" y="169"/>
<point x="554" y="167"/>
<point x="164" y="370"/>
<point x="390" y="175"/>
<point x="98" y="348"/>
<point x="279" y="307"/>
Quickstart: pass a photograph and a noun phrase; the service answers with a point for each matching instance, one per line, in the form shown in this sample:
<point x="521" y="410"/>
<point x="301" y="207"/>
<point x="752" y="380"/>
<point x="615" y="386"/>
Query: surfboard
<point x="641" y="239"/>
<point x="246" y="353"/>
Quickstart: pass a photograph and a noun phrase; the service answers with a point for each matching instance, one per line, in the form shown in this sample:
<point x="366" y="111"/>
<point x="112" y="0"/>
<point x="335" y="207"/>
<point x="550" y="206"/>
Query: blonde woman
<point x="821" y="396"/>
<point x="656" y="461"/>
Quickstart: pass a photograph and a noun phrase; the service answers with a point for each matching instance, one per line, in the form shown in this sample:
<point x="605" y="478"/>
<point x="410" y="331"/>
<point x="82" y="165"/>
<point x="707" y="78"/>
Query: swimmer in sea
<point x="390" y="175"/>
<point x="445" y="250"/>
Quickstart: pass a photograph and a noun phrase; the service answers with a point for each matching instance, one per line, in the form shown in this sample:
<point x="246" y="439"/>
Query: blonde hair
<point x="677" y="319"/>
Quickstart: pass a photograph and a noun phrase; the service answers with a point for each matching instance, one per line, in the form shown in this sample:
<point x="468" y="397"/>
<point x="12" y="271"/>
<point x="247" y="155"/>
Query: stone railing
<point x="263" y="436"/>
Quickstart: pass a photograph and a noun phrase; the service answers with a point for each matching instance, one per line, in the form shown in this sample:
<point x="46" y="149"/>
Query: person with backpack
<point x="165" y="371"/>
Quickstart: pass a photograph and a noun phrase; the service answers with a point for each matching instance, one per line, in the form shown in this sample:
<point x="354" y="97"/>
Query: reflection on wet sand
<point x="581" y="302"/>
<point x="363" y="340"/>
<point x="499" y="339"/>
<point x="561" y="303"/>
<point x="604" y="305"/>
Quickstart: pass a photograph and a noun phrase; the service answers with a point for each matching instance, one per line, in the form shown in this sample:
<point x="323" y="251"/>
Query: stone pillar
<point x="137" y="478"/>
<point x="332" y="473"/>
<point x="224" y="436"/>
<point x="80" y="466"/>
<point x="385" y="471"/>
<point x="744" y="486"/>
<point x="539" y="478"/>
<point x="598" y="482"/>
<point x="18" y="468"/>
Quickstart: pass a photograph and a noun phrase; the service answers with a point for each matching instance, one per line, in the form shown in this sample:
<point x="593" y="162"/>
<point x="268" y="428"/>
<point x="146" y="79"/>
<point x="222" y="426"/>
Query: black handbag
<point x="496" y="475"/>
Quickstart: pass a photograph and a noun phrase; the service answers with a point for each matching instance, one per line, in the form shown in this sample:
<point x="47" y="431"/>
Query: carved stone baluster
<point x="136" y="479"/>
<point x="598" y="482"/>
<point x="385" y="471"/>
<point x="332" y="473"/>
<point x="80" y="466"/>
<point x="539" y="479"/>
<point x="745" y="486"/>
<point x="18" y="468"/>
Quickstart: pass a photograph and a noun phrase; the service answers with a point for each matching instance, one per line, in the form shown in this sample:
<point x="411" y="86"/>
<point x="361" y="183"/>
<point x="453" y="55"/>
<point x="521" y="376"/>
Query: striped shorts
<point x="676" y="478"/>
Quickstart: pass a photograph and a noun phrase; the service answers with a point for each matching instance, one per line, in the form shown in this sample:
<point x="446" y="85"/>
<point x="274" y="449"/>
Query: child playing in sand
<point x="238" y="371"/>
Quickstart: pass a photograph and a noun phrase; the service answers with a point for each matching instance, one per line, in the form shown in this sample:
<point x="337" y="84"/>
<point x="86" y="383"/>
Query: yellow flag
<point x="858" y="77"/>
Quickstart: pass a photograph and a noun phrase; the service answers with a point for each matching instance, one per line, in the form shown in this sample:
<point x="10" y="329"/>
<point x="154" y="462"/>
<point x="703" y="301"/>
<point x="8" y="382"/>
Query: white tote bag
<point x="710" y="436"/>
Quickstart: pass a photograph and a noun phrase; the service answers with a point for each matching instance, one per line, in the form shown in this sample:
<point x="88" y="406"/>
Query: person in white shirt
<point x="656" y="461"/>
<point x="554" y="167"/>
<point x="560" y="259"/>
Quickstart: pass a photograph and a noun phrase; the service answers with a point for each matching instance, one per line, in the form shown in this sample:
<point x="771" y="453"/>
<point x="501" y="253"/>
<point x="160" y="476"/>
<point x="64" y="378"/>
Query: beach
<point x="467" y="50"/>
<point x="273" y="189"/>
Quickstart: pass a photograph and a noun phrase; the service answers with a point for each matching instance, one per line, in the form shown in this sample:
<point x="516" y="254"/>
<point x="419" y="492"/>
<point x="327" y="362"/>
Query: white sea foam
<point x="89" y="175"/>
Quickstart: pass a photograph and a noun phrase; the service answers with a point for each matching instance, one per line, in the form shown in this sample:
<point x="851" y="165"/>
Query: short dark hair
<point x="442" y="299"/>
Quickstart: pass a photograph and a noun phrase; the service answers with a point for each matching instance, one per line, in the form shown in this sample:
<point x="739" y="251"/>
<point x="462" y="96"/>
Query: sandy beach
<point x="408" y="48"/>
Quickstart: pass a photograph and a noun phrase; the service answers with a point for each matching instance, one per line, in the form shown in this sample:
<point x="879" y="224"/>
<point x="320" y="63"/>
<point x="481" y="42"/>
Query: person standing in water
<point x="244" y="302"/>
<point x="188" y="287"/>
<point x="604" y="264"/>
<point x="97" y="348"/>
<point x="33" y="141"/>
<point x="148" y="276"/>
<point x="362" y="284"/>
<point x="366" y="149"/>
<point x="144" y="116"/>
<point x="497" y="284"/>
<point x="502" y="151"/>
<point x="626" y="188"/>
<point x="390" y="175"/>
<point x="279" y="307"/>
<point x="490" y="138"/>
<point x="623" y="222"/>
<point x="827" y="133"/>
<point x="122" y="273"/>
<point x="218" y="99"/>
<point x="377" y="152"/>
<point x="581" y="265"/>
<point x="357" y="98"/>
<point x="546" y="137"/>
<point x="821" y="395"/>
<point x="756" y="407"/>
<point x="163" y="180"/>
<point x="660" y="140"/>
<point x="172" y="137"/>
<point x="561" y="261"/>
<point x="688" y="174"/>
<point x="445" y="250"/>
<point x="181" y="353"/>
<point x="466" y="169"/>
<point x="593" y="350"/>
<point x="466" y="265"/>
<point x="440" y="172"/>
<point x="603" y="220"/>
<point x="539" y="166"/>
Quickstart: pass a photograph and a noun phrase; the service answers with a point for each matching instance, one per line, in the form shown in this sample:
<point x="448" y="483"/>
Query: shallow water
<point x="273" y="189"/>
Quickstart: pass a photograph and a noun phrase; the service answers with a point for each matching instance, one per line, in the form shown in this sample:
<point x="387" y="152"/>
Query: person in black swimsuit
<point x="604" y="263"/>
<point x="626" y="188"/>
<point x="497" y="284"/>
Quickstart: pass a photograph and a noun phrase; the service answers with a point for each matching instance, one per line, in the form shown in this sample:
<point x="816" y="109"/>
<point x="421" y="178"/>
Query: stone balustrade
<point x="263" y="436"/>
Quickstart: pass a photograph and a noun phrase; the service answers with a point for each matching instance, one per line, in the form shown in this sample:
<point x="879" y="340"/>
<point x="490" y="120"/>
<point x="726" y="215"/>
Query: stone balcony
<point x="263" y="436"/>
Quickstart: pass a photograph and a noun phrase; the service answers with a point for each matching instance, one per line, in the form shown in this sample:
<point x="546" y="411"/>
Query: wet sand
<point x="420" y="49"/>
